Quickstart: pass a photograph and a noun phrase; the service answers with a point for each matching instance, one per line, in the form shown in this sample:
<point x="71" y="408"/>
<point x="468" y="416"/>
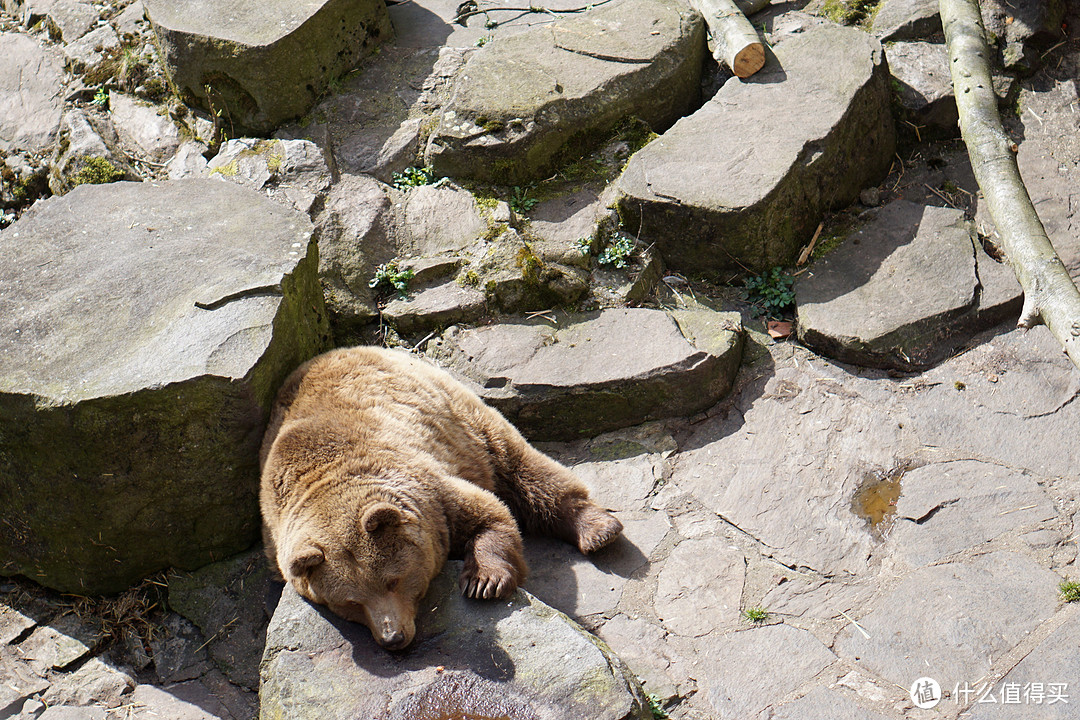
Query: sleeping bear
<point x="377" y="466"/>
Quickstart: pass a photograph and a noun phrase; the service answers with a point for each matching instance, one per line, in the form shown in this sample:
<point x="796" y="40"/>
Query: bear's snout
<point x="391" y="634"/>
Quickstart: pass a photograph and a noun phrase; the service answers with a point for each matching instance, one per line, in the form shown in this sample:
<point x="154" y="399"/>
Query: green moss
<point x="96" y="171"/>
<point x="850" y="12"/>
<point x="530" y="265"/>
<point x="229" y="170"/>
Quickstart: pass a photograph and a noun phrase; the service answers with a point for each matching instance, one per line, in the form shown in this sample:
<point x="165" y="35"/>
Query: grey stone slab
<point x="148" y="327"/>
<point x="145" y="128"/>
<point x="88" y="51"/>
<point x="1026" y="687"/>
<point x="93" y="683"/>
<point x="73" y="713"/>
<point x="423" y="215"/>
<point x="906" y="20"/>
<point x="292" y="172"/>
<point x="79" y="142"/>
<point x="818" y="599"/>
<point x="434" y="307"/>
<point x="586" y="374"/>
<point x="1014" y="403"/>
<point x="17" y="681"/>
<point x="924" y="86"/>
<point x="13" y="624"/>
<point x="899" y="293"/>
<point x="825" y="704"/>
<point x="516" y="657"/>
<point x="949" y="622"/>
<point x="181" y="701"/>
<point x="699" y="588"/>
<point x="353" y="232"/>
<point x="623" y="484"/>
<point x="753" y="669"/>
<point x="63" y="641"/>
<point x="948" y="507"/>
<point x="645" y="648"/>
<point x="520" y="99"/>
<point x="795" y="497"/>
<point x="179" y="651"/>
<point x="581" y="586"/>
<point x="746" y="179"/>
<point x="266" y="63"/>
<point x="226" y="601"/>
<point x="73" y="18"/>
<point x="31" y="93"/>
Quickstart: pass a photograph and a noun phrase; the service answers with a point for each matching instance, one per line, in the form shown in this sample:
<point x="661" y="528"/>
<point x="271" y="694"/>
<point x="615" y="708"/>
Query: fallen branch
<point x="737" y="43"/>
<point x="1050" y="296"/>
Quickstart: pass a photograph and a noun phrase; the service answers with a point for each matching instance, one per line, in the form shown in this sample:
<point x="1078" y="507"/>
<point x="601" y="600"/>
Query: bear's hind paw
<point x="595" y="528"/>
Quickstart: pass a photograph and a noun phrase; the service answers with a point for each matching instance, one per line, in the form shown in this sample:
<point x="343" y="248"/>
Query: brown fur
<point x="377" y="466"/>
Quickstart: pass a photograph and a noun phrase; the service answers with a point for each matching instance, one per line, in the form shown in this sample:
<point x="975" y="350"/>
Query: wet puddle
<point x="875" y="500"/>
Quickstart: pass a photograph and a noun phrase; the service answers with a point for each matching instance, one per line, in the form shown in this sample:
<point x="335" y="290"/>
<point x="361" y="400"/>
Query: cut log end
<point x="748" y="60"/>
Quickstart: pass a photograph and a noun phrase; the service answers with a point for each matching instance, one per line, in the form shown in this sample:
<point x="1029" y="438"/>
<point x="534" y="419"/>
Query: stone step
<point x="745" y="180"/>
<point x="517" y="658"/>
<point x="145" y="329"/>
<point x="903" y="291"/>
<point x="521" y="100"/>
<point x="262" y="64"/>
<point x="563" y="377"/>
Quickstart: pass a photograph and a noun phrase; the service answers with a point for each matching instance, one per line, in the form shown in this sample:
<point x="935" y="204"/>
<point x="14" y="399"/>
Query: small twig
<point x="461" y="18"/>
<point x="950" y="202"/>
<point x="857" y="625"/>
<point x="1026" y="507"/>
<point x="813" y="243"/>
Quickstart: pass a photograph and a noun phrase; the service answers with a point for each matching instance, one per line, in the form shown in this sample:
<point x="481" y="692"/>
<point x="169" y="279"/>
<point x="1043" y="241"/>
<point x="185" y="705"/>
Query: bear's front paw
<point x="492" y="579"/>
<point x="595" y="528"/>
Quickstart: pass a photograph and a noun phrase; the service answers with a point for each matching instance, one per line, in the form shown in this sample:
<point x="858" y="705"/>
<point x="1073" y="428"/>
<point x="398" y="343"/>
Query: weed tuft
<point x="771" y="292"/>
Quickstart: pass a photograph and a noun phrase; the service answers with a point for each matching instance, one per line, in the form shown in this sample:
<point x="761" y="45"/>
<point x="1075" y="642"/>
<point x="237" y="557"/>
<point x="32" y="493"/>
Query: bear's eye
<point x="392" y="585"/>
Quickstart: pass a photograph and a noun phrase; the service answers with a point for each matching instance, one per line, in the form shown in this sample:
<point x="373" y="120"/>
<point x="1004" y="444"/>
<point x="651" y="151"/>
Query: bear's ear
<point x="381" y="515"/>
<point x="305" y="556"/>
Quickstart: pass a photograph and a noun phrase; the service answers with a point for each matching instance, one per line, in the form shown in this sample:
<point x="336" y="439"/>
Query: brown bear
<point x="377" y="466"/>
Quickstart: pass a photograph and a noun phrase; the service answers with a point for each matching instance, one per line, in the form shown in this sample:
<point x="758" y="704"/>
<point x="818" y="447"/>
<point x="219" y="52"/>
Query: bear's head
<point x="373" y="572"/>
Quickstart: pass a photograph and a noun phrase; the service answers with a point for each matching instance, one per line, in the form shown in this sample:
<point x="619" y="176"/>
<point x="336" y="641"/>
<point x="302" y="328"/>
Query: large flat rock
<point x="522" y="101"/>
<point x="950" y="622"/>
<point x="586" y="374"/>
<point x="948" y="507"/>
<point x="902" y="292"/>
<point x="31" y="93"/>
<point x="261" y="64"/>
<point x="734" y="467"/>
<point x="145" y="330"/>
<point x="517" y="658"/>
<point x="745" y="180"/>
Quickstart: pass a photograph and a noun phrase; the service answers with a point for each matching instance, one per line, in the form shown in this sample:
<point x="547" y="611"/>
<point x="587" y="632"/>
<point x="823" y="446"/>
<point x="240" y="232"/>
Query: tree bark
<point x="737" y="43"/>
<point x="1050" y="296"/>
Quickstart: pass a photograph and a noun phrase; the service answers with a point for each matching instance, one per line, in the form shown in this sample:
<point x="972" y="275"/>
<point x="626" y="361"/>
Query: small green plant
<point x="584" y="245"/>
<point x="484" y="40"/>
<point x="756" y="614"/>
<point x="1070" y="591"/>
<point x="96" y="171"/>
<point x="101" y="98"/>
<point x="412" y="177"/>
<point x="771" y="292"/>
<point x="617" y="252"/>
<point x="520" y="202"/>
<point x="389" y="274"/>
<point x="656" y="706"/>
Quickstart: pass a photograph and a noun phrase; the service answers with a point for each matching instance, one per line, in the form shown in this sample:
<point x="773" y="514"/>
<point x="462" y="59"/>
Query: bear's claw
<point x="487" y="583"/>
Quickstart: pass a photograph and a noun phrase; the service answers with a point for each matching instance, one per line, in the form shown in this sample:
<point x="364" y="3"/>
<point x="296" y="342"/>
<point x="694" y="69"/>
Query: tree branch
<point x="1050" y="296"/>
